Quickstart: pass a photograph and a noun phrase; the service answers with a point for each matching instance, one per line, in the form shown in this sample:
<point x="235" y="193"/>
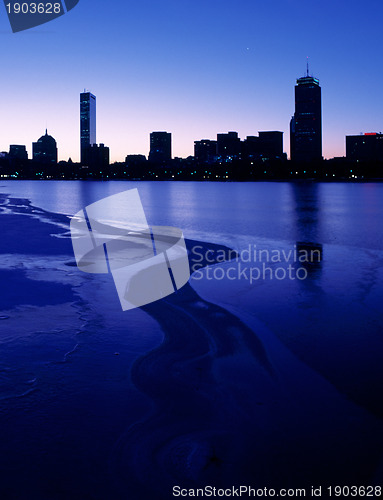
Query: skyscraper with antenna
<point x="306" y="124"/>
<point x="87" y="124"/>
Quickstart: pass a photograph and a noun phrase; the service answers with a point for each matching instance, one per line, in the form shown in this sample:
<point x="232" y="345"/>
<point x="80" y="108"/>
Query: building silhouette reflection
<point x="308" y="234"/>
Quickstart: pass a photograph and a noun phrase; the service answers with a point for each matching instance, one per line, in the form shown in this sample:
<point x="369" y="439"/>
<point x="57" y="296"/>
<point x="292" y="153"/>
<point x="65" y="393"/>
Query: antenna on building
<point x="307" y="74"/>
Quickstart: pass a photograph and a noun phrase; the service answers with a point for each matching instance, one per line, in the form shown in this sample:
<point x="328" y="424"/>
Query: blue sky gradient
<point x="193" y="68"/>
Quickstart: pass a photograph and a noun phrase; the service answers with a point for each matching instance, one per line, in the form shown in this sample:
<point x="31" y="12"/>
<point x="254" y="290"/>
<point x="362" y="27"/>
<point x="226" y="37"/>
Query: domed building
<point x="45" y="149"/>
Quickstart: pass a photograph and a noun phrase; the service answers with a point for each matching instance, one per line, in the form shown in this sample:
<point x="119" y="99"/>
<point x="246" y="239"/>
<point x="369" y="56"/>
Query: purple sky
<point x="193" y="68"/>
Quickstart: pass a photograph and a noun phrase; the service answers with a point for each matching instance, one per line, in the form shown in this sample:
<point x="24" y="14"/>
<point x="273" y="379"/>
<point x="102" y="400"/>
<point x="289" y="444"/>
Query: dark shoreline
<point x="286" y="179"/>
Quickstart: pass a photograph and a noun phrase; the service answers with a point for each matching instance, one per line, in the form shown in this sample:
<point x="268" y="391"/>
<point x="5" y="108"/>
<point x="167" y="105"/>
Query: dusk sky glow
<point x="193" y="68"/>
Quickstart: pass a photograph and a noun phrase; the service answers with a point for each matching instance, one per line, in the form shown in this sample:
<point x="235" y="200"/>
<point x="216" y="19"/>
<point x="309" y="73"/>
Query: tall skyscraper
<point x="87" y="124"/>
<point x="306" y="124"/>
<point x="160" y="147"/>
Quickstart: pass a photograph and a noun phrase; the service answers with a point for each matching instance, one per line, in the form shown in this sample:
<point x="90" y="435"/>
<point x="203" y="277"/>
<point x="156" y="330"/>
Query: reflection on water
<point x="307" y="227"/>
<point x="307" y="211"/>
<point x="276" y="380"/>
<point x="338" y="213"/>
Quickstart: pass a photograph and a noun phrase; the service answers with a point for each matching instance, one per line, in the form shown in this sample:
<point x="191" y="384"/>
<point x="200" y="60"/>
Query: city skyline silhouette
<point x="305" y="137"/>
<point x="191" y="69"/>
